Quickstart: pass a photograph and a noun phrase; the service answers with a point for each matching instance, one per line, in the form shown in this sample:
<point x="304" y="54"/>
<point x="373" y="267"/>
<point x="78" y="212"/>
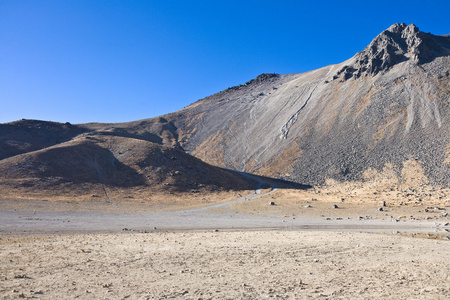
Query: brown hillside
<point x="89" y="163"/>
<point x="30" y="135"/>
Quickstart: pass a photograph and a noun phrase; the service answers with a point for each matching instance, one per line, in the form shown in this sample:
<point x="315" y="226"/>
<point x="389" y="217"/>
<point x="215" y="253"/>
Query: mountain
<point x="385" y="108"/>
<point x="384" y="113"/>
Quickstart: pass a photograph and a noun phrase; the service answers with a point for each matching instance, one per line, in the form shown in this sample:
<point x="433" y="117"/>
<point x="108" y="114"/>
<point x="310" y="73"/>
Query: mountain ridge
<point x="386" y="110"/>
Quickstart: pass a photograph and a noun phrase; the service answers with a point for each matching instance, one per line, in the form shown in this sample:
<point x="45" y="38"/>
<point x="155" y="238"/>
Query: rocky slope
<point x="386" y="108"/>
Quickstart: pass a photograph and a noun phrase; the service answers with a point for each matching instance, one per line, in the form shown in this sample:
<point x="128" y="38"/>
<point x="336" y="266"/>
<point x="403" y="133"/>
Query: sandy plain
<point x="224" y="265"/>
<point x="298" y="247"/>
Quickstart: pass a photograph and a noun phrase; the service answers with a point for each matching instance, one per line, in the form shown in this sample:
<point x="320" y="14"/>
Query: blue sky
<point x="114" y="61"/>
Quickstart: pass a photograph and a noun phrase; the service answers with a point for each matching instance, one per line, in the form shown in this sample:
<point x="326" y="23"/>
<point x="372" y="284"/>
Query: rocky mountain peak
<point x="398" y="43"/>
<point x="400" y="27"/>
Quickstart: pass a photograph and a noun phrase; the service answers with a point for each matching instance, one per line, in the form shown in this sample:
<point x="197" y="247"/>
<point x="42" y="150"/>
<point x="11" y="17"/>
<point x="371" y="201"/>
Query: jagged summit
<point x="398" y="43"/>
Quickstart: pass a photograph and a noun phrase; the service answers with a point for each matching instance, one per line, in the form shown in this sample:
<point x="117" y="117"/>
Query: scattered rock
<point x="271" y="203"/>
<point x="383" y="203"/>
<point x="335" y="206"/>
<point x="380" y="209"/>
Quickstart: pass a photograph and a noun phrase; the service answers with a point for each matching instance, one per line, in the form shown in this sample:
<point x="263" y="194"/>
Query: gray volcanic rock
<point x="387" y="105"/>
<point x="396" y="44"/>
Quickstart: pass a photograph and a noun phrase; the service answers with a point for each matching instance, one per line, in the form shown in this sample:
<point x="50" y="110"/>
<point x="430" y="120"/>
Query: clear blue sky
<point x="113" y="61"/>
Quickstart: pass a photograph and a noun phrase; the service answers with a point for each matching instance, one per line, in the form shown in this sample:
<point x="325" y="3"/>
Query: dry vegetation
<point x="120" y="200"/>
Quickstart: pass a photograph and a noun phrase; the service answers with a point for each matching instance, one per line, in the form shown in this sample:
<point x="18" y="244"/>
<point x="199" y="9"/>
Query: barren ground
<point x="224" y="265"/>
<point x="178" y="248"/>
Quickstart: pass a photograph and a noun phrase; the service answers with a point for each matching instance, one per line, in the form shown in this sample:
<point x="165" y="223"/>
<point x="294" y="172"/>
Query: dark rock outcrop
<point x="397" y="44"/>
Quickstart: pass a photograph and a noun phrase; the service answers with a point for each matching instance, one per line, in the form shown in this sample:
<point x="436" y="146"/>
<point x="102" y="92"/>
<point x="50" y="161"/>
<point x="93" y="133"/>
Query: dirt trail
<point x="256" y="194"/>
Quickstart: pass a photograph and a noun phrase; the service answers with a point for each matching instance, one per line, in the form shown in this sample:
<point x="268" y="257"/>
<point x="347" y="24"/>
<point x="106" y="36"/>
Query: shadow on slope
<point x="177" y="171"/>
<point x="80" y="163"/>
<point x="31" y="135"/>
<point x="268" y="182"/>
